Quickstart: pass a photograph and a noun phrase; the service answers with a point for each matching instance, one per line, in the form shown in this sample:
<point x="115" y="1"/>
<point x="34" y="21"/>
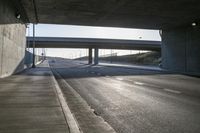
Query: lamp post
<point x="33" y="66"/>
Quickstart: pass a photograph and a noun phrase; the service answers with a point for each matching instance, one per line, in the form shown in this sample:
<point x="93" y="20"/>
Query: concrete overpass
<point x="60" y="42"/>
<point x="178" y="19"/>
<point x="151" y="14"/>
<point x="90" y="43"/>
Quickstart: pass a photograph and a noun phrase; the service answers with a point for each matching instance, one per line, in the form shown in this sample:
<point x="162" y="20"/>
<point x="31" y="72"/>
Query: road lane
<point x="136" y="100"/>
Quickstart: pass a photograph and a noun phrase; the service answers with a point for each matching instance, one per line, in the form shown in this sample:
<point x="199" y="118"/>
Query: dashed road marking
<point x="138" y="83"/>
<point x="172" y="91"/>
<point x="141" y="84"/>
<point x="119" y="78"/>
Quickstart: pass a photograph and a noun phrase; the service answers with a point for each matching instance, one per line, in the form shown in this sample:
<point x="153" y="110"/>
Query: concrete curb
<point x="71" y="120"/>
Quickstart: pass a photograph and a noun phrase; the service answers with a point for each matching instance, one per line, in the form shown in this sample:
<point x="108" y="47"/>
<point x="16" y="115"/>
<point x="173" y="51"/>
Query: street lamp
<point x="33" y="66"/>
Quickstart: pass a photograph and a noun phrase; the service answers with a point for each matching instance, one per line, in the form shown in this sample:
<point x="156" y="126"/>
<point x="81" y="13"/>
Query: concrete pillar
<point x="90" y="56"/>
<point x="180" y="50"/>
<point x="12" y="40"/>
<point x="96" y="56"/>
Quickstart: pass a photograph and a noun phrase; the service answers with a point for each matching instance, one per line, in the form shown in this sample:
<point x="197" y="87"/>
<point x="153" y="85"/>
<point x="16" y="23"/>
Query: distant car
<point x="53" y="61"/>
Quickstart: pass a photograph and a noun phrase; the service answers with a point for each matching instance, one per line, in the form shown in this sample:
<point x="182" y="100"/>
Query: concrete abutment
<point x="12" y="40"/>
<point x="180" y="50"/>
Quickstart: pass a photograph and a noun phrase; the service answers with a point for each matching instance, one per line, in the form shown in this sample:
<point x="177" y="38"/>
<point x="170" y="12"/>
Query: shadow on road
<point x="76" y="69"/>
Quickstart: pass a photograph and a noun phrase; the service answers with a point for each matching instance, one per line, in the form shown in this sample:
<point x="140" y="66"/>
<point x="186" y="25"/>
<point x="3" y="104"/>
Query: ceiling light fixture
<point x="18" y="16"/>
<point x="194" y="24"/>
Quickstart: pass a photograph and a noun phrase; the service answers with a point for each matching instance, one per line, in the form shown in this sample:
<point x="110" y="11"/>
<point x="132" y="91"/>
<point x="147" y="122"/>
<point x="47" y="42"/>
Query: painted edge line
<point x="172" y="91"/>
<point x="71" y="121"/>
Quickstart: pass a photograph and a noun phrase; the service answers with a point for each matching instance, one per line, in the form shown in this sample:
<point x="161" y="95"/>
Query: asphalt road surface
<point x="134" y="100"/>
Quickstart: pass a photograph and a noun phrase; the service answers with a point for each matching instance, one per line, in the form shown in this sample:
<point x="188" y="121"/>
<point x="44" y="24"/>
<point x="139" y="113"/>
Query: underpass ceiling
<point x="149" y="14"/>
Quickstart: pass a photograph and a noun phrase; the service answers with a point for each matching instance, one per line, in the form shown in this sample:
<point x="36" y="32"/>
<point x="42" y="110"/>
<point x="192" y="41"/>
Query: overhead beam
<point x="114" y="13"/>
<point x="54" y="42"/>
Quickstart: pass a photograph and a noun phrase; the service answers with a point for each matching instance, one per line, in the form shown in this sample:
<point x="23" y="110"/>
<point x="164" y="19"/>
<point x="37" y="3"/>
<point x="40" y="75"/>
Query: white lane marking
<point x="119" y="78"/>
<point x="172" y="91"/>
<point x="70" y="119"/>
<point x="138" y="83"/>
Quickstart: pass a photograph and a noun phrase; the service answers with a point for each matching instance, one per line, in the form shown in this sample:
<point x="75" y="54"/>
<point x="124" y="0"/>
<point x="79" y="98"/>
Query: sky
<point x="49" y="30"/>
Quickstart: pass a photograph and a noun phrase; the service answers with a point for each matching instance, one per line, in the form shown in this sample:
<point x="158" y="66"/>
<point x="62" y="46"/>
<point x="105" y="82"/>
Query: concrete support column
<point x="12" y="40"/>
<point x="90" y="56"/>
<point x="96" y="56"/>
<point x="180" y="50"/>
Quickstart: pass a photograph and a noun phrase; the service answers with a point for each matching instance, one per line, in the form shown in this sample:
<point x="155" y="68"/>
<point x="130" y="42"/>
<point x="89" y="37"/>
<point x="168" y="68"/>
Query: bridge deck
<point x="58" y="42"/>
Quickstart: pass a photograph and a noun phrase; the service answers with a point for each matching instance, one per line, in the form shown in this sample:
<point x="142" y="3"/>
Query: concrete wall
<point x="12" y="40"/>
<point x="28" y="61"/>
<point x="181" y="50"/>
